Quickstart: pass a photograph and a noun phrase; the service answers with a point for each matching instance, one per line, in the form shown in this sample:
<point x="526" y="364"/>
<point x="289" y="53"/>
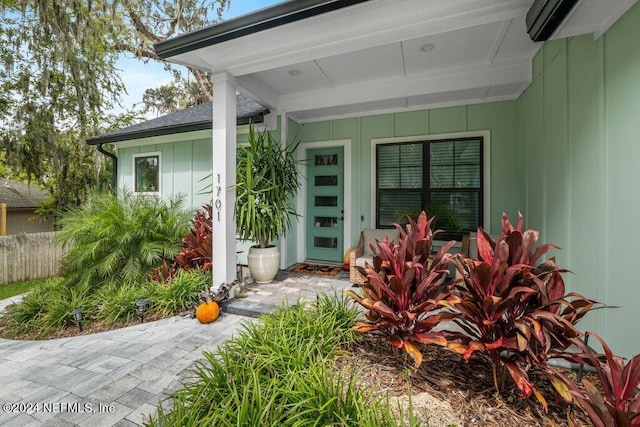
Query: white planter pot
<point x="263" y="263"/>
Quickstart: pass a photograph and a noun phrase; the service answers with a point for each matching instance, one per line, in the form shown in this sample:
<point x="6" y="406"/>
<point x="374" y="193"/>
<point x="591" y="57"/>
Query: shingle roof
<point x="20" y="195"/>
<point x="187" y="120"/>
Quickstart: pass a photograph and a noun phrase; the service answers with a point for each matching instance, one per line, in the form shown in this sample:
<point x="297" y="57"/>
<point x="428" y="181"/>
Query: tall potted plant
<point x="267" y="180"/>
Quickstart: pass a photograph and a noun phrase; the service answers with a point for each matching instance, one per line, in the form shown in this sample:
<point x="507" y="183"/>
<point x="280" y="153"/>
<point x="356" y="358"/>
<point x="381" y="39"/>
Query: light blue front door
<point x="325" y="204"/>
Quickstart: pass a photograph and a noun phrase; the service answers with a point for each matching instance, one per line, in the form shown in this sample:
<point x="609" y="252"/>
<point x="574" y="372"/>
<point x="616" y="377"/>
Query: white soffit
<point x="386" y="55"/>
<point x="592" y="16"/>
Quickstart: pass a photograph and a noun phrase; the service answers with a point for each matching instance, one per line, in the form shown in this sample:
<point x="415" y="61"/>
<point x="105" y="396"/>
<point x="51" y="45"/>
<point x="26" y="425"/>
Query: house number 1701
<point x="218" y="202"/>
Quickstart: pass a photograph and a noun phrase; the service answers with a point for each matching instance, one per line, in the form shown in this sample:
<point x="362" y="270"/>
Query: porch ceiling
<point x="391" y="55"/>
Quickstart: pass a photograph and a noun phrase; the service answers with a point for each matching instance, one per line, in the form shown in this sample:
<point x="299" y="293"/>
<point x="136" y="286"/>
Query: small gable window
<point x="147" y="173"/>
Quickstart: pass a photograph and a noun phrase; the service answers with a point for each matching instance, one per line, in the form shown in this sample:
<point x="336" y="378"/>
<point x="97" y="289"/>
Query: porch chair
<point x="363" y="254"/>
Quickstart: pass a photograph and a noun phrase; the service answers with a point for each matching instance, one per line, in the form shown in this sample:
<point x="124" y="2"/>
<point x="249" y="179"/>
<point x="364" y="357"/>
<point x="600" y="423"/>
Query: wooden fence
<point x="29" y="256"/>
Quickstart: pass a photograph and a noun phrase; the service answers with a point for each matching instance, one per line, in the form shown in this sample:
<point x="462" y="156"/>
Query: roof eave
<point x="148" y="133"/>
<point x="168" y="130"/>
<point x="261" y="20"/>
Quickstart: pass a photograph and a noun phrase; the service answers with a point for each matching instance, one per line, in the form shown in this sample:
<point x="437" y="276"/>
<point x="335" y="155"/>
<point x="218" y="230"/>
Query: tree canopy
<point x="59" y="82"/>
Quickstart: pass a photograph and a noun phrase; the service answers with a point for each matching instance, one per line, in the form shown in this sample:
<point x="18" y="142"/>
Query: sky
<point x="138" y="76"/>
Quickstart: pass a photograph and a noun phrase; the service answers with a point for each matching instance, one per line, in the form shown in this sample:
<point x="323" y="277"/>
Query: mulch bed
<point x="468" y="387"/>
<point x="323" y="270"/>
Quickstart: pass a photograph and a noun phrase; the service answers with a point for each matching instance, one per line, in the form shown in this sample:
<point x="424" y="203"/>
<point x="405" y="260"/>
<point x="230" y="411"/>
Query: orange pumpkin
<point x="208" y="312"/>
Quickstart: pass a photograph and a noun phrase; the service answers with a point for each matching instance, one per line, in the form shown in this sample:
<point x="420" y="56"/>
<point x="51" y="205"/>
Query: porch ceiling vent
<point x="545" y="16"/>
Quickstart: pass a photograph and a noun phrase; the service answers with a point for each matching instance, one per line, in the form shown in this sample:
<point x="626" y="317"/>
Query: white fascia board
<point x="361" y="26"/>
<point x="411" y="86"/>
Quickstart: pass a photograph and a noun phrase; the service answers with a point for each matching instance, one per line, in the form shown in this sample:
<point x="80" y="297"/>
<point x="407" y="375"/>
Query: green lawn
<point x="17" y="288"/>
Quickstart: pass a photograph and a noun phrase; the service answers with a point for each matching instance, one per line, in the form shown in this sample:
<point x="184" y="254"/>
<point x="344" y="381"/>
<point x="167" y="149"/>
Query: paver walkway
<point x="118" y="377"/>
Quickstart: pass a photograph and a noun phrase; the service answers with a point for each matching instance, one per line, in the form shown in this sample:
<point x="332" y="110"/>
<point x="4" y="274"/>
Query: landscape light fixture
<point x="77" y="317"/>
<point x="141" y="305"/>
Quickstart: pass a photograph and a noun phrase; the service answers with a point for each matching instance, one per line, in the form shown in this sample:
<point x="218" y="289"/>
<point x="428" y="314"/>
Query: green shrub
<point x="285" y="379"/>
<point x="180" y="293"/>
<point x="118" y="302"/>
<point x="48" y="308"/>
<point x="120" y="239"/>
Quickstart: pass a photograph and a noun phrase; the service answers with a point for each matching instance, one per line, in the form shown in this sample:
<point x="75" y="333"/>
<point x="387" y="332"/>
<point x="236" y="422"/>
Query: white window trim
<point x="148" y="154"/>
<point x="486" y="176"/>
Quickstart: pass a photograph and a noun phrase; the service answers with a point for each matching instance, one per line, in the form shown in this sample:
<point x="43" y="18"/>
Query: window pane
<point x="411" y="177"/>
<point x="326" y="180"/>
<point x="388" y="156"/>
<point x="455" y="164"/>
<point x="325" y="242"/>
<point x="325" y="221"/>
<point x="395" y="206"/>
<point x="147" y="174"/>
<point x="411" y="155"/>
<point x="400" y="166"/>
<point x="326" y="159"/>
<point x="456" y="211"/>
<point x="467" y="176"/>
<point x="441" y="153"/>
<point x="326" y="201"/>
<point x="467" y="169"/>
<point x="389" y="178"/>
<point x="441" y="177"/>
<point x="388" y="166"/>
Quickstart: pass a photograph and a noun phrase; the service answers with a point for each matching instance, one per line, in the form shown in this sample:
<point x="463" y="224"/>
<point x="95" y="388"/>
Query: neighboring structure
<point x="404" y="104"/>
<point x="21" y="201"/>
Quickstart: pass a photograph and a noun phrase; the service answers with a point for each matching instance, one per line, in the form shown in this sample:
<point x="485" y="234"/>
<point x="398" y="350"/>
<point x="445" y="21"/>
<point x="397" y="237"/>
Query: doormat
<point x="323" y="270"/>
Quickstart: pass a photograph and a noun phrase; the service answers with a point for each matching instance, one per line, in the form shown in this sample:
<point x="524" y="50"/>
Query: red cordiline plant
<point x="165" y="272"/>
<point x="511" y="309"/>
<point x="196" y="248"/>
<point x="404" y="286"/>
<point x="197" y="245"/>
<point x="620" y="404"/>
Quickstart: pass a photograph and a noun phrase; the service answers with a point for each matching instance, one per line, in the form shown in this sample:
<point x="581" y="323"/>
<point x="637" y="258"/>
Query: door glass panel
<point x="325" y="242"/>
<point x="326" y="160"/>
<point x="321" y="201"/>
<point x="326" y="180"/>
<point x="325" y="221"/>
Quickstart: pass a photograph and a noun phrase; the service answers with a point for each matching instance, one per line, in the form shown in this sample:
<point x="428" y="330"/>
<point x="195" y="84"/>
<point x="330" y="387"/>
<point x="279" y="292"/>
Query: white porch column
<point x="284" y="139"/>
<point x="224" y="179"/>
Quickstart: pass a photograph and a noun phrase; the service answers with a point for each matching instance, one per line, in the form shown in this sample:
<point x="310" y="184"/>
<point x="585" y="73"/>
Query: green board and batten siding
<point x="183" y="165"/>
<point x="581" y="120"/>
<point x="500" y="118"/>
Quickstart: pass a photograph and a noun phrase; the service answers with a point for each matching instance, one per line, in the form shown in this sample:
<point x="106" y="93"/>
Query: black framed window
<point x="443" y="177"/>
<point x="147" y="174"/>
